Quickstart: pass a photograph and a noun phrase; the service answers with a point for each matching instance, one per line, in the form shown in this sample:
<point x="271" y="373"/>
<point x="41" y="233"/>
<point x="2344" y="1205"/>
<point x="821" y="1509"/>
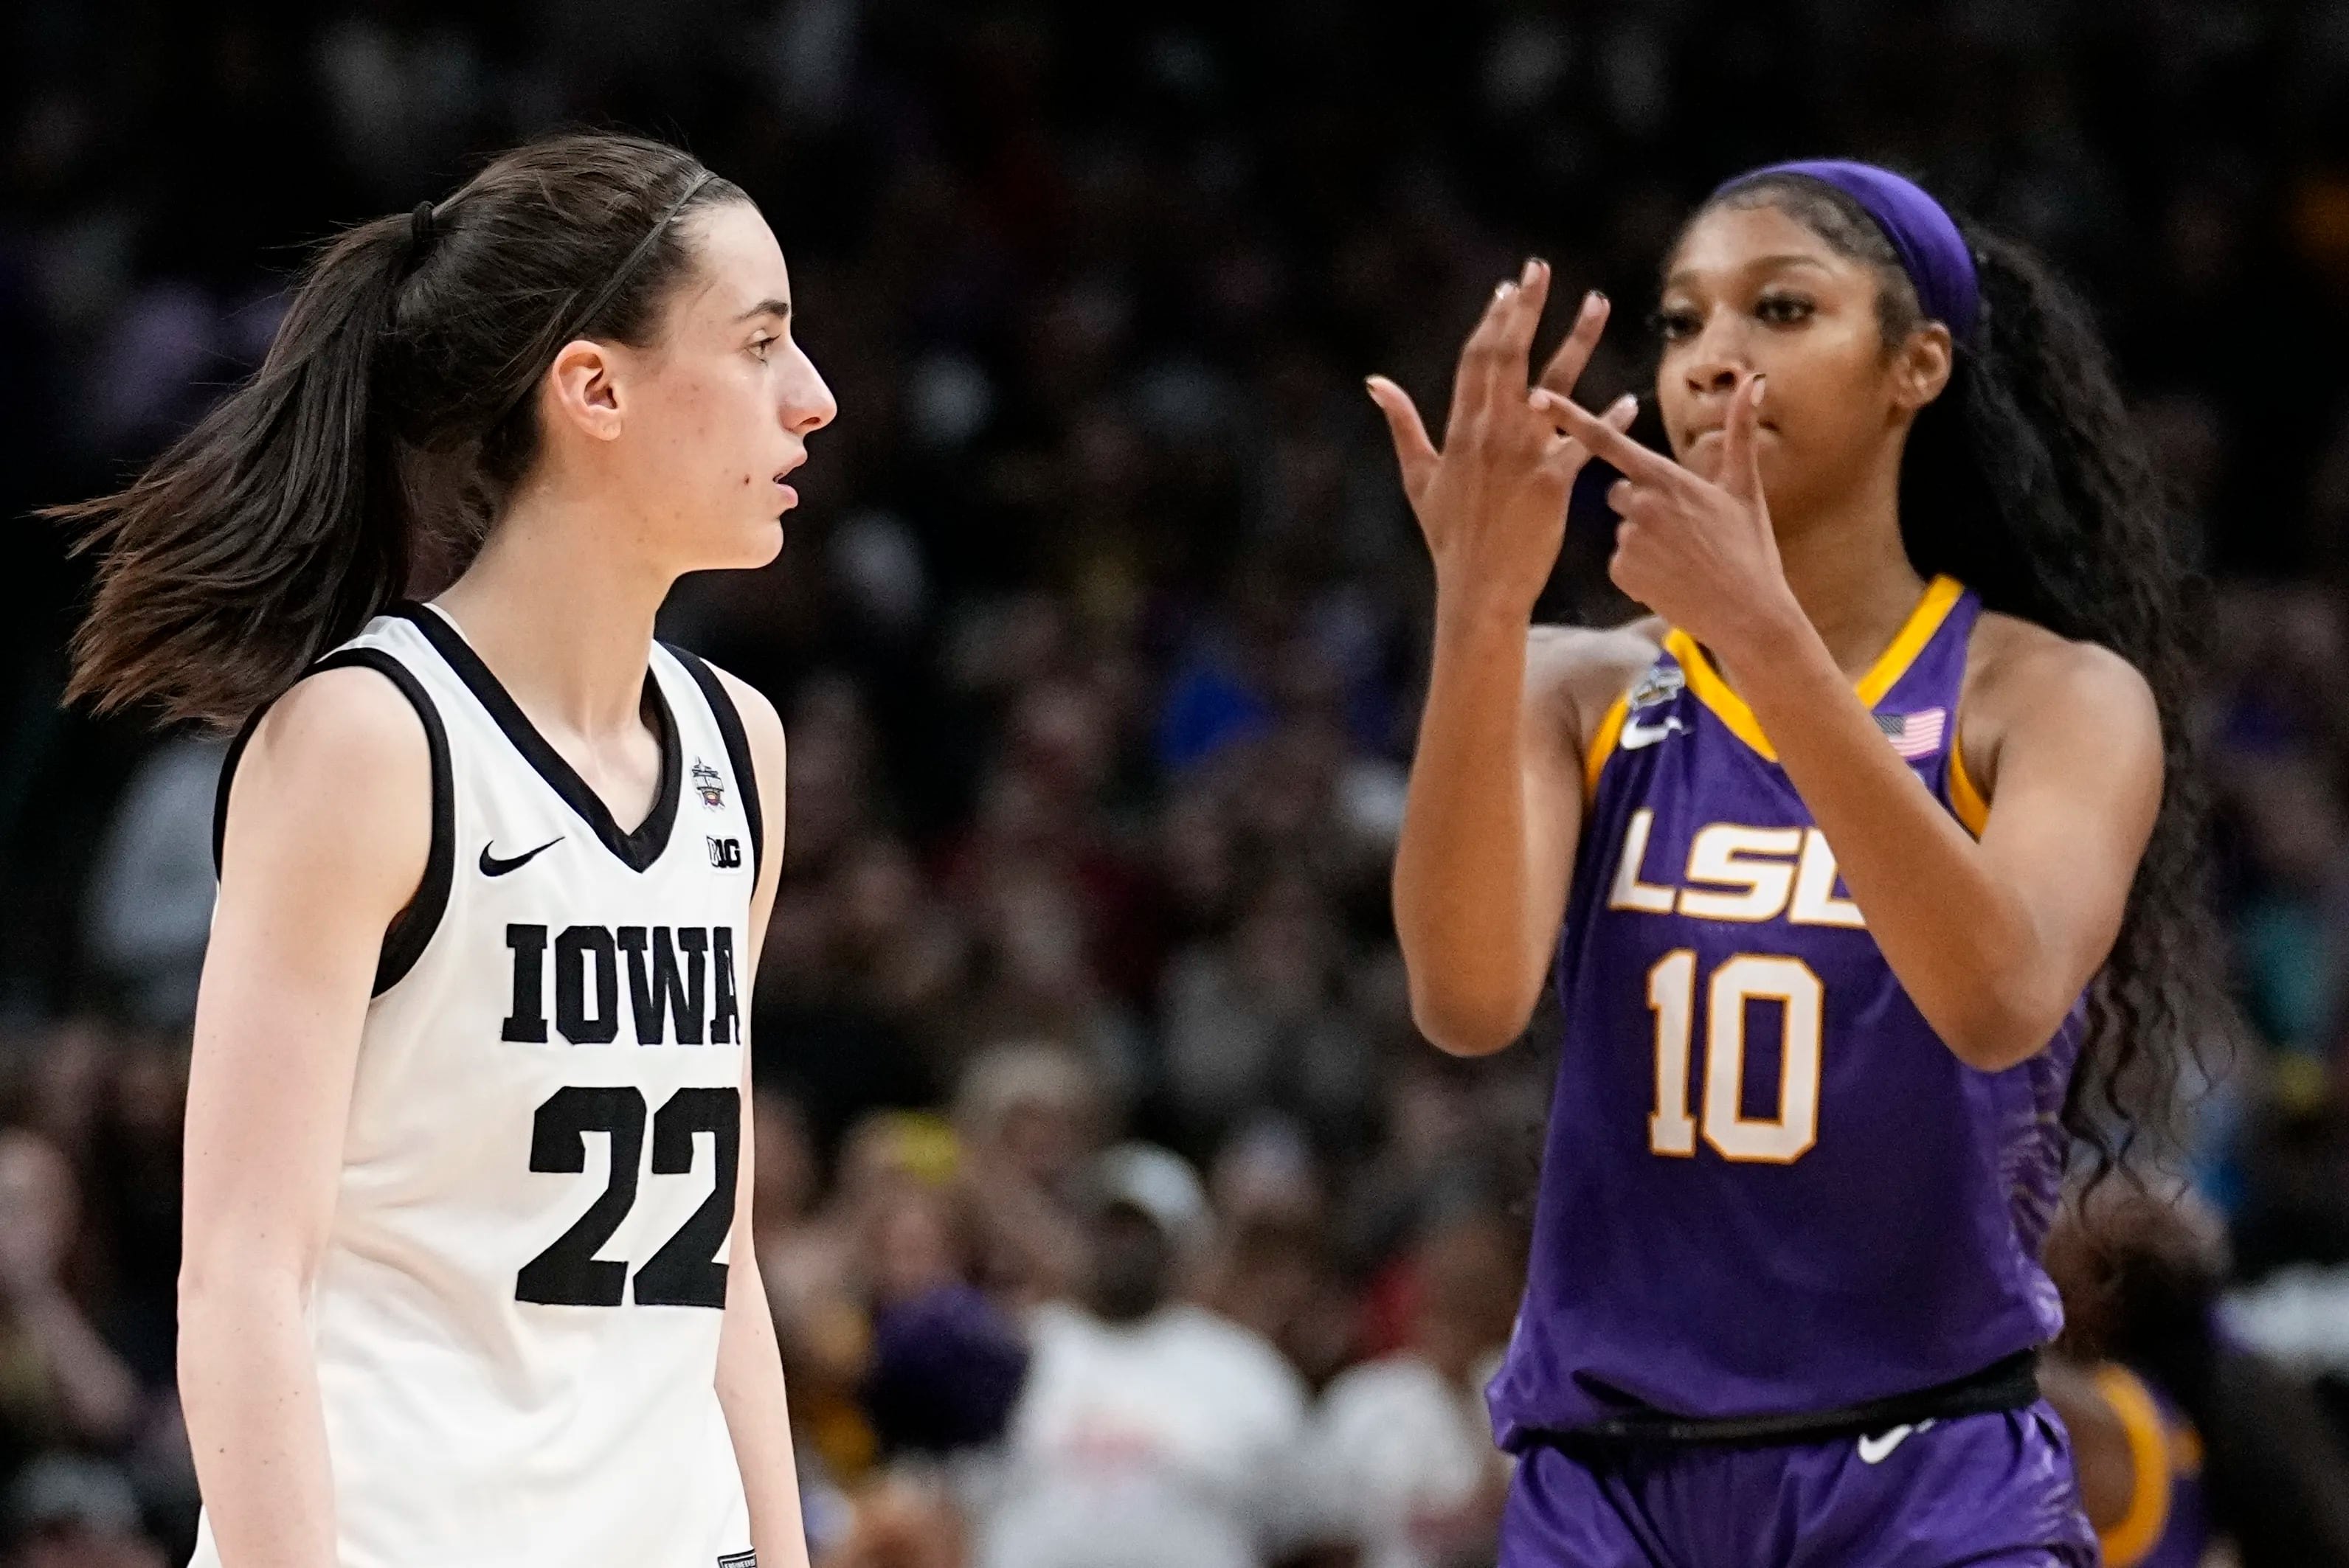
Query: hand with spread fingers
<point x="1493" y="503"/>
<point x="1699" y="554"/>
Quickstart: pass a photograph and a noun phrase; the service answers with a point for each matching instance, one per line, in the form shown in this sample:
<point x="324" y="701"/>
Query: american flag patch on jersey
<point x="1914" y="735"/>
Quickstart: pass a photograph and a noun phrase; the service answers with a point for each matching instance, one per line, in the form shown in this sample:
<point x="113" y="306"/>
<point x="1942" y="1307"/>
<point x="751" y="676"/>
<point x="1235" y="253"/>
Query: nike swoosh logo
<point x="1875" y="1450"/>
<point x="1635" y="736"/>
<point x="492" y="866"/>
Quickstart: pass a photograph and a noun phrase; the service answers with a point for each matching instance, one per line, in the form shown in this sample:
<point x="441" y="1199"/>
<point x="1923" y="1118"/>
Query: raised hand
<point x="1492" y="503"/>
<point x="1699" y="554"/>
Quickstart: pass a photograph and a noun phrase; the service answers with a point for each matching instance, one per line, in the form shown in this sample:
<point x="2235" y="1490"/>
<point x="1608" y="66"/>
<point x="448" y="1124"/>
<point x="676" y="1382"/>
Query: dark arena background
<point x="1099" y="638"/>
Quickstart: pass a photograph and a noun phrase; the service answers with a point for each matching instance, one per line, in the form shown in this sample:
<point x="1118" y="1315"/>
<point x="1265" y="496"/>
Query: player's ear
<point x="583" y="389"/>
<point x="1921" y="366"/>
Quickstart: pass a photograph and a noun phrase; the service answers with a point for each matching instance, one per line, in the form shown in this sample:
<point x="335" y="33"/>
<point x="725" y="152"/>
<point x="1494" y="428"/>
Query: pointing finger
<point x="1568" y="455"/>
<point x="1629" y="457"/>
<point x="1741" y="455"/>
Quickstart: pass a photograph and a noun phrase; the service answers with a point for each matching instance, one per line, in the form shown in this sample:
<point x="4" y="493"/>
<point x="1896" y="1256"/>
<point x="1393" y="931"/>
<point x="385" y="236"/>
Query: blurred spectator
<point x="150" y="892"/>
<point x="1274" y="1270"/>
<point x="2179" y="1429"/>
<point x="947" y="1361"/>
<point x="1400" y="1445"/>
<point x="68" y="1512"/>
<point x="60" y="1382"/>
<point x="1259" y="1021"/>
<point x="901" y="1523"/>
<point x="1149" y="1427"/>
<point x="1030" y="1120"/>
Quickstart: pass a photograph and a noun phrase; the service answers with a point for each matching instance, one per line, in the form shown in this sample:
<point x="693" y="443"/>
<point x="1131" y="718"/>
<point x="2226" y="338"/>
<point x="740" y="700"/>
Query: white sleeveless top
<point x="516" y="1319"/>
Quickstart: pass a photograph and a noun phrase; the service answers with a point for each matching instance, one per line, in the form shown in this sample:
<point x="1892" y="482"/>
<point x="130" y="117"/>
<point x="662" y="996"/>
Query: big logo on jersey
<point x="672" y="971"/>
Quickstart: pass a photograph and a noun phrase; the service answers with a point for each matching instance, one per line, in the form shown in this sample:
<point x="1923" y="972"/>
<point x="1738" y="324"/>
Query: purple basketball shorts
<point x="1989" y="1491"/>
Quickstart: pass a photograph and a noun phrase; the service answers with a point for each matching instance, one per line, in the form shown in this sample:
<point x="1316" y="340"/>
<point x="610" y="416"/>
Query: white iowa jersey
<point x="516" y="1319"/>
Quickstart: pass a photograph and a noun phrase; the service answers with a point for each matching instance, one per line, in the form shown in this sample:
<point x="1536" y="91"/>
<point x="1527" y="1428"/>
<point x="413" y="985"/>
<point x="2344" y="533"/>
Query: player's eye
<point x="1782" y="309"/>
<point x="1675" y="324"/>
<point x="758" y="346"/>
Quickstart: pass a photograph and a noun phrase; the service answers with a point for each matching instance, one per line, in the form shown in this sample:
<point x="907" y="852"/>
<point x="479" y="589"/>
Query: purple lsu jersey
<point x="1769" y="1188"/>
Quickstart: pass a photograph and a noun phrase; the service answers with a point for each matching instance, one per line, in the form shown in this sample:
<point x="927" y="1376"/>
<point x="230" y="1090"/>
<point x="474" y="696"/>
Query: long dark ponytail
<point x="2028" y="481"/>
<point x="392" y="416"/>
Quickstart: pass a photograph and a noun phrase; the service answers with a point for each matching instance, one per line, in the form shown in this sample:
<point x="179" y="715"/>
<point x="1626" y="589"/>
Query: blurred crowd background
<point x="1114" y="1213"/>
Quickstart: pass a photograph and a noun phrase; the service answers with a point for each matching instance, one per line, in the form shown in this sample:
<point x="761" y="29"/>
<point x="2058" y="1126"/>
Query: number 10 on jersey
<point x="1736" y="981"/>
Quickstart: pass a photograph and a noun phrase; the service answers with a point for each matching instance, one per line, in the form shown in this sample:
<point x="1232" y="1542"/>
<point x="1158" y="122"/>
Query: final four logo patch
<point x="1659" y="684"/>
<point x="712" y="783"/>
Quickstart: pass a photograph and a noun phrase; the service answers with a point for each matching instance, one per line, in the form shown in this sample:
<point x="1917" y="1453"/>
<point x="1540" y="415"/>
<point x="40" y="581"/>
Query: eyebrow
<point x="782" y="307"/>
<point x="1759" y="263"/>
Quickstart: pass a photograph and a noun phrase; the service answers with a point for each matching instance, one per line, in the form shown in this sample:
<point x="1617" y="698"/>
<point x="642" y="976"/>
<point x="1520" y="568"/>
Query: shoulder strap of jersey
<point x="737" y="743"/>
<point x="411" y="928"/>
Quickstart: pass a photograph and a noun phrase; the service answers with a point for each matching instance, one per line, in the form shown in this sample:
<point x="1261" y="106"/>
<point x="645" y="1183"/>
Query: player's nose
<point x="808" y="404"/>
<point x="1717" y="360"/>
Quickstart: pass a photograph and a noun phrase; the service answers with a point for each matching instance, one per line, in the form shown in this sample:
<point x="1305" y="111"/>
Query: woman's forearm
<point x="1962" y="943"/>
<point x="249" y="1390"/>
<point x="757" y="1419"/>
<point x="1461" y="877"/>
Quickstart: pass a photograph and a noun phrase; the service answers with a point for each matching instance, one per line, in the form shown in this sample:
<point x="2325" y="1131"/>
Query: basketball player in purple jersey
<point x="1871" y="893"/>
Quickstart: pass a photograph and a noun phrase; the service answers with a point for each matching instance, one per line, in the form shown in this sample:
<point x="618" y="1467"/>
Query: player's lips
<point x="1693" y="437"/>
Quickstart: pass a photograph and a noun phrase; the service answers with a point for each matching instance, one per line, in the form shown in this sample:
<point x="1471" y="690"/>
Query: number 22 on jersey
<point x="685" y="1271"/>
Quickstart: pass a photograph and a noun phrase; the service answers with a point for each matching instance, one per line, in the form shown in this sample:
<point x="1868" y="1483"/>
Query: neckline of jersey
<point x="637" y="850"/>
<point x="1933" y="607"/>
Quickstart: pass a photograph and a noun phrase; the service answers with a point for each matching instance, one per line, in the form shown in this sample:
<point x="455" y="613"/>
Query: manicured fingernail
<point x="1526" y="273"/>
<point x="1761" y="384"/>
<point x="1623" y="404"/>
<point x="1592" y="302"/>
<point x="1503" y="291"/>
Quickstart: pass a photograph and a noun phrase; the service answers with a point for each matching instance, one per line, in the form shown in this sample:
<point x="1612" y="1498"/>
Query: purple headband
<point x="1923" y="234"/>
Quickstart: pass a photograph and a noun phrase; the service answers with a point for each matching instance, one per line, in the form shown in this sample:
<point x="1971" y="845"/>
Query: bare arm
<point x="328" y="826"/>
<point x="1991" y="940"/>
<point x="1494" y="802"/>
<point x="750" y="1362"/>
<point x="1491" y="825"/>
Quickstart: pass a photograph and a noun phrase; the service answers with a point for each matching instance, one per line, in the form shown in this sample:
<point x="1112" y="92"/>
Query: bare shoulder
<point x="2019" y="675"/>
<point x="1577" y="672"/>
<point x="348" y="734"/>
<point x="335" y="788"/>
<point x="2014" y="660"/>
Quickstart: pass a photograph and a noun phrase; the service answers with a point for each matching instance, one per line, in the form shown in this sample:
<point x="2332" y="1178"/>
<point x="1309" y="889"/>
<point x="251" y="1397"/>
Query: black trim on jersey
<point x="737" y="743"/>
<point x="404" y="939"/>
<point x="635" y="850"/>
<point x="2010" y="1383"/>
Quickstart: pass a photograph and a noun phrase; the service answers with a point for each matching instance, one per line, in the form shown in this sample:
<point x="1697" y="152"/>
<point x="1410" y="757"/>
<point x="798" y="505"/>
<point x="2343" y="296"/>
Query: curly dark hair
<point x="2027" y="480"/>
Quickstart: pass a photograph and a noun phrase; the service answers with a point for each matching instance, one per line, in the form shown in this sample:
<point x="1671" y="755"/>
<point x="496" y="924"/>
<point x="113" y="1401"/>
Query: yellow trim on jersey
<point x="1940" y="594"/>
<point x="1714" y="693"/>
<point x="2132" y="1539"/>
<point x="1940" y="597"/>
<point x="1966" y="800"/>
<point x="1602" y="746"/>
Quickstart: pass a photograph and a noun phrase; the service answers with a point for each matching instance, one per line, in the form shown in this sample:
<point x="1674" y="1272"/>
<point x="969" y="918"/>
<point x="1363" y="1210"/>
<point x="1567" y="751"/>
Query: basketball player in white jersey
<point x="466" y="1282"/>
